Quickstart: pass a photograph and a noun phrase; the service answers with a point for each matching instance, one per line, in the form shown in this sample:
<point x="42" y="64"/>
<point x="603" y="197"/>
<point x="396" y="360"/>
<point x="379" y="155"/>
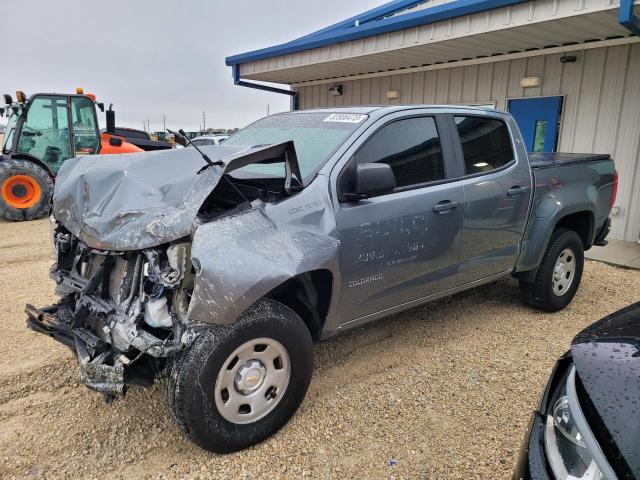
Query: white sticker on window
<point x="345" y="117"/>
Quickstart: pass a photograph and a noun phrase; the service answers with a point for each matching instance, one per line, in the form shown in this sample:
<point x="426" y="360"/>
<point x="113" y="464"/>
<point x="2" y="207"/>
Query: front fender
<point x="240" y="258"/>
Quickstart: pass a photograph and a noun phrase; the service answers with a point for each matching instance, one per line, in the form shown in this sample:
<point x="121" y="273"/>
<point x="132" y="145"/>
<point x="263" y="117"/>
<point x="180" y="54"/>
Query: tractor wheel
<point x="25" y="190"/>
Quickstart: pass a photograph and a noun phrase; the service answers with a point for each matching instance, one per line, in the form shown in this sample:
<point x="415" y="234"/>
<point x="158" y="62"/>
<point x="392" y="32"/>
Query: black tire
<point x="540" y="294"/>
<point x="191" y="377"/>
<point x="10" y="168"/>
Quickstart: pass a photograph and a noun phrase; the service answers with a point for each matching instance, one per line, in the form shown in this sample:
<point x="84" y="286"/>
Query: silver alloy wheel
<point x="252" y="380"/>
<point x="564" y="272"/>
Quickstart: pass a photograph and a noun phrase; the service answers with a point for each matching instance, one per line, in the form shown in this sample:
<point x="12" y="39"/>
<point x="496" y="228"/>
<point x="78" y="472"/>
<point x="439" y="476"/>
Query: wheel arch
<point x="308" y="294"/>
<point x="580" y="219"/>
<point x="583" y="223"/>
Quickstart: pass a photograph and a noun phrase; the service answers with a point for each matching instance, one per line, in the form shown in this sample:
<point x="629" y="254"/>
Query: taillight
<point x="614" y="190"/>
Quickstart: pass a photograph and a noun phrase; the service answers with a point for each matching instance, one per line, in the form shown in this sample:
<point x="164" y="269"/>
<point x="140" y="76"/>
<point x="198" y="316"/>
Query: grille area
<point x="117" y="280"/>
<point x="94" y="263"/>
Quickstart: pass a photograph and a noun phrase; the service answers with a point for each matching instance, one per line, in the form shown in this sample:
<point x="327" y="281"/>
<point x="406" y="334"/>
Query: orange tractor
<point x="42" y="132"/>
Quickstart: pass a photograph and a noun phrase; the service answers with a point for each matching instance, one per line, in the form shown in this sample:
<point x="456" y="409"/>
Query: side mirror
<point x="373" y="179"/>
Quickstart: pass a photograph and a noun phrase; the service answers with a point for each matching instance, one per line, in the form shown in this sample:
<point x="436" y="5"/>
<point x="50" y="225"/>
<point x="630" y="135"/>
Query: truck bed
<point x="547" y="160"/>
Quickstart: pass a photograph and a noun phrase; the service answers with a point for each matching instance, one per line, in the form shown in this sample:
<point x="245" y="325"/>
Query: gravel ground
<point x="440" y="391"/>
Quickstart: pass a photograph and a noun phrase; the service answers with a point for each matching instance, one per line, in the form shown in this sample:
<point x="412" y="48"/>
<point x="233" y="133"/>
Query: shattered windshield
<point x="315" y="137"/>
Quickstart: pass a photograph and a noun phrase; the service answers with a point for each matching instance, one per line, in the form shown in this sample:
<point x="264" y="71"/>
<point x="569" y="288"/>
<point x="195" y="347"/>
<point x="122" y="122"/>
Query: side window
<point x="410" y="146"/>
<point x="85" y="130"/>
<point x="486" y="144"/>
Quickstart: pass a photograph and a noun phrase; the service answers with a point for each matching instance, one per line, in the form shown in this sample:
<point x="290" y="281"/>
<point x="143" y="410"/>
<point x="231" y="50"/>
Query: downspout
<point x="626" y="17"/>
<point x="236" y="81"/>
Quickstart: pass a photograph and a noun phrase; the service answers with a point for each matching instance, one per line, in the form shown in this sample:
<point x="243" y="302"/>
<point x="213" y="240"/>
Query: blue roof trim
<point x="375" y="13"/>
<point x="627" y="18"/>
<point x="345" y="31"/>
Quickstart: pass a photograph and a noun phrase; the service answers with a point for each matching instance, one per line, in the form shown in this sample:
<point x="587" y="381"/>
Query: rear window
<point x="486" y="144"/>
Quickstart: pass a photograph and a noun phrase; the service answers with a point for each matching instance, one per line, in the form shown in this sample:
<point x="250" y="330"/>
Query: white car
<point x="209" y="140"/>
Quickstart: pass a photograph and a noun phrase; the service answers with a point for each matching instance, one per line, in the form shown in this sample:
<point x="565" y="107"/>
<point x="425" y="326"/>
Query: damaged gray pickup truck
<point x="217" y="272"/>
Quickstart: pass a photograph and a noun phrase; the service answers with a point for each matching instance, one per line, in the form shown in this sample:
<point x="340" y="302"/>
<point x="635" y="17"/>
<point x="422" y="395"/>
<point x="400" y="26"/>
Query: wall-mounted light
<point x="568" y="58"/>
<point x="530" y="82"/>
<point x="393" y="94"/>
<point x="336" y="90"/>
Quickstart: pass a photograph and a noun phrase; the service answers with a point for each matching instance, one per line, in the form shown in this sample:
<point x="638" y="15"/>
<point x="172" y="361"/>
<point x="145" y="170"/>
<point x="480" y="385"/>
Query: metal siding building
<point x="477" y="52"/>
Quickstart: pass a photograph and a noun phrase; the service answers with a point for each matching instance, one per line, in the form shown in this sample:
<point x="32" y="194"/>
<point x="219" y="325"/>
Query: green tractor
<point x="42" y="132"/>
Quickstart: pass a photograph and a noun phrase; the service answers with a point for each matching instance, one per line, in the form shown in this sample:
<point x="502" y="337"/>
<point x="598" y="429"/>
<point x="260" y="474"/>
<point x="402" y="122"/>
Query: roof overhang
<point x="373" y="23"/>
<point x="507" y="28"/>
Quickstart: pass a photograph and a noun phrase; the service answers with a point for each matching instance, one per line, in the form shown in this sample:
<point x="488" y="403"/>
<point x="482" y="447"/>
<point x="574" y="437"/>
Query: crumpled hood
<point x="607" y="359"/>
<point x="140" y="200"/>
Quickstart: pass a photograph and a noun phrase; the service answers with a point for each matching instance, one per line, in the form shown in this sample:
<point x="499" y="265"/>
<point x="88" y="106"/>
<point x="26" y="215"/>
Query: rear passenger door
<point x="404" y="245"/>
<point x="497" y="189"/>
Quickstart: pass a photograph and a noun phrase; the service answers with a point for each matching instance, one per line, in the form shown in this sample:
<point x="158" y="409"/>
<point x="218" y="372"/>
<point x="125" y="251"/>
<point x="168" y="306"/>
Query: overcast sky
<point x="151" y="58"/>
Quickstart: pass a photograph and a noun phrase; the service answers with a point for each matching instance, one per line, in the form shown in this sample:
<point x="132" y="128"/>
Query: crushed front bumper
<point x="101" y="315"/>
<point x="92" y="353"/>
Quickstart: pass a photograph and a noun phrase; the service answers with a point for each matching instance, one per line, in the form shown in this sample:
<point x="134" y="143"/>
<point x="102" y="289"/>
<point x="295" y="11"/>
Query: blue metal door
<point x="537" y="119"/>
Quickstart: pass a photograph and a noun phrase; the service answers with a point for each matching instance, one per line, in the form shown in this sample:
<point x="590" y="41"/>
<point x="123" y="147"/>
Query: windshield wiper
<point x="182" y="139"/>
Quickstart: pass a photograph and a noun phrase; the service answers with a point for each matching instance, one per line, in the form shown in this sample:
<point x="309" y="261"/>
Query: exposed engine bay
<point x="124" y="312"/>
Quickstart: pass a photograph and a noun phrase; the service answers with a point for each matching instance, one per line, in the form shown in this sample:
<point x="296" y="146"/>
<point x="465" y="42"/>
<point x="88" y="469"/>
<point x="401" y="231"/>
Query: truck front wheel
<point x="559" y="274"/>
<point x="25" y="190"/>
<point x="237" y="385"/>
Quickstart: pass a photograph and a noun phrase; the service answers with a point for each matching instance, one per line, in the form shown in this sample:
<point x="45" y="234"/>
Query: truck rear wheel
<point x="559" y="275"/>
<point x="237" y="385"/>
<point x="25" y="190"/>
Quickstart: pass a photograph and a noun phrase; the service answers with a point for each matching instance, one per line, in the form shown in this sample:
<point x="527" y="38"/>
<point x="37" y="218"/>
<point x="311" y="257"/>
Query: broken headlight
<point x="572" y="450"/>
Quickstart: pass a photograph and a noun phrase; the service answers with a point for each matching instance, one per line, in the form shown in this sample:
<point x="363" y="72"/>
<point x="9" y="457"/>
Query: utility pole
<point x="268" y="108"/>
<point x="204" y="122"/>
<point x="164" y="122"/>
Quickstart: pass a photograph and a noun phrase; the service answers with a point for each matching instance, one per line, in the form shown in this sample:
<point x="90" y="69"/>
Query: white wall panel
<point x="601" y="111"/>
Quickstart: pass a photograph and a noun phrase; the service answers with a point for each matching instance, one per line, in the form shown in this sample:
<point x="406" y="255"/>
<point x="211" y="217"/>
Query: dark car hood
<point x="140" y="200"/>
<point x="607" y="359"/>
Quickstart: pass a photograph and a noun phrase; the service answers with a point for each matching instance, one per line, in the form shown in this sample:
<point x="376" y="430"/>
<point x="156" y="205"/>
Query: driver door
<point x="402" y="246"/>
<point x="86" y="137"/>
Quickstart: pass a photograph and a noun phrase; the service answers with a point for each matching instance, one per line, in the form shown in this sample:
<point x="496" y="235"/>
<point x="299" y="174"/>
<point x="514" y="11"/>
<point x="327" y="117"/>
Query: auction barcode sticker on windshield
<point x="345" y="117"/>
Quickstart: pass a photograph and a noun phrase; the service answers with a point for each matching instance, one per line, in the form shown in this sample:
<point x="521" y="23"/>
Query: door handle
<point x="445" y="206"/>
<point x="517" y="190"/>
